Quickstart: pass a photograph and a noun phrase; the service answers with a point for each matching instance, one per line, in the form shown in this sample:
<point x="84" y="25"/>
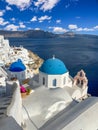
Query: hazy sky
<point x="57" y="16"/>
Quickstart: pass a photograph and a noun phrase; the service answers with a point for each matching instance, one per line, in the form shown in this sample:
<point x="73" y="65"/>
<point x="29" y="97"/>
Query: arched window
<point x="54" y="82"/>
<point x="78" y="81"/>
<point x="81" y="74"/>
<point x="82" y="82"/>
<point x="43" y="81"/>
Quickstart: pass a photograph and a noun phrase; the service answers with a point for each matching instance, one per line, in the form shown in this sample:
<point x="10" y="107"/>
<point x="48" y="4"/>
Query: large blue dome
<point x="53" y="66"/>
<point x="17" y="66"/>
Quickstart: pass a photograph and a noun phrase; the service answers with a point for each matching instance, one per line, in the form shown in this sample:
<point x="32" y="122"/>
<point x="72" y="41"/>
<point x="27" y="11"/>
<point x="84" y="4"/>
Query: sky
<point x="57" y="16"/>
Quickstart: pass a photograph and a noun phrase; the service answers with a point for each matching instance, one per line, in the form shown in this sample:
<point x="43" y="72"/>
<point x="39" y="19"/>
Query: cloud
<point x="88" y="29"/>
<point x="85" y="29"/>
<point x="8" y="8"/>
<point x="34" y="19"/>
<point x="46" y="5"/>
<point x="58" y="30"/>
<point x="21" y="25"/>
<point x="12" y="27"/>
<point x="13" y="19"/>
<point x="42" y="18"/>
<point x="3" y="22"/>
<point x="79" y="29"/>
<point x="21" y="4"/>
<point x="96" y="27"/>
<point x="2" y="12"/>
<point x="58" y="21"/>
<point x="72" y="26"/>
<point x="39" y="2"/>
<point x="37" y="28"/>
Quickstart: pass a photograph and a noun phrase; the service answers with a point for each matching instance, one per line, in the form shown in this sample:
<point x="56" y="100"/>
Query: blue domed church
<point x="17" y="69"/>
<point x="53" y="73"/>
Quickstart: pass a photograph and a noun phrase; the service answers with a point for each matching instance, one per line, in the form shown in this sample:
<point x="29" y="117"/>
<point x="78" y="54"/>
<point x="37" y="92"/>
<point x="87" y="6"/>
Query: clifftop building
<point x="58" y="100"/>
<point x="54" y="74"/>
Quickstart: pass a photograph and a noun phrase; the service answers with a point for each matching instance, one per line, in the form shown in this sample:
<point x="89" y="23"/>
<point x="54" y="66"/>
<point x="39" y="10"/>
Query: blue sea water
<point x="77" y="53"/>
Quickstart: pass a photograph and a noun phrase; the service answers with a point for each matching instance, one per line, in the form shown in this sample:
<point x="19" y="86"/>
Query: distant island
<point x="27" y="34"/>
<point x="39" y="34"/>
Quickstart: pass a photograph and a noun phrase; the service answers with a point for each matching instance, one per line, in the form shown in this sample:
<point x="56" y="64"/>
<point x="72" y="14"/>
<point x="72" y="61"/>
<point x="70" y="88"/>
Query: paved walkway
<point x="29" y="125"/>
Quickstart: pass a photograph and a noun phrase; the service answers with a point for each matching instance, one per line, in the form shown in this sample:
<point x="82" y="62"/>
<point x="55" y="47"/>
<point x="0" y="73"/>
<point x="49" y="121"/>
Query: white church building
<point x="53" y="73"/>
<point x="18" y="70"/>
<point x="60" y="102"/>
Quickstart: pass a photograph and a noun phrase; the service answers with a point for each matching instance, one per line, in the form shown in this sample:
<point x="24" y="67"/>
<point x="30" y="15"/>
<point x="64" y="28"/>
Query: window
<point x="43" y="81"/>
<point x="82" y="82"/>
<point x="78" y="81"/>
<point x="54" y="82"/>
<point x="81" y="74"/>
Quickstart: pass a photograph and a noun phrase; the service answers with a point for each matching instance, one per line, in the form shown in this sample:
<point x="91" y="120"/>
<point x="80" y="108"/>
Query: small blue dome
<point x="17" y="66"/>
<point x="53" y="66"/>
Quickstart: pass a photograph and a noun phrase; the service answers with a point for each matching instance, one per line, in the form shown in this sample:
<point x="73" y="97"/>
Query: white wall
<point x="84" y="91"/>
<point x="15" y="108"/>
<point x="59" y="80"/>
<point x="20" y="75"/>
<point x="66" y="78"/>
<point x="41" y="76"/>
<point x="53" y="77"/>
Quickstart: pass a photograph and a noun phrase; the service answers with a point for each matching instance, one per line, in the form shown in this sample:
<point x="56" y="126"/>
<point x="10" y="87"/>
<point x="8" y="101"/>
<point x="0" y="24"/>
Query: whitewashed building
<point x="53" y="73"/>
<point x="18" y="70"/>
<point x="59" y="102"/>
<point x="4" y="49"/>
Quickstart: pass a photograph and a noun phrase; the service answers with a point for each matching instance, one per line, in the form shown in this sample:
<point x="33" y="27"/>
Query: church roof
<point x="17" y="66"/>
<point x="53" y="66"/>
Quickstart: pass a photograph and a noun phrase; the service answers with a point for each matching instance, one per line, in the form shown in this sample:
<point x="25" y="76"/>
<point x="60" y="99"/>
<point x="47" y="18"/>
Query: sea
<point x="76" y="52"/>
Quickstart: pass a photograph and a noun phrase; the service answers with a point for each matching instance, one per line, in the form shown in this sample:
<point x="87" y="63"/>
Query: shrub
<point x="22" y="89"/>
